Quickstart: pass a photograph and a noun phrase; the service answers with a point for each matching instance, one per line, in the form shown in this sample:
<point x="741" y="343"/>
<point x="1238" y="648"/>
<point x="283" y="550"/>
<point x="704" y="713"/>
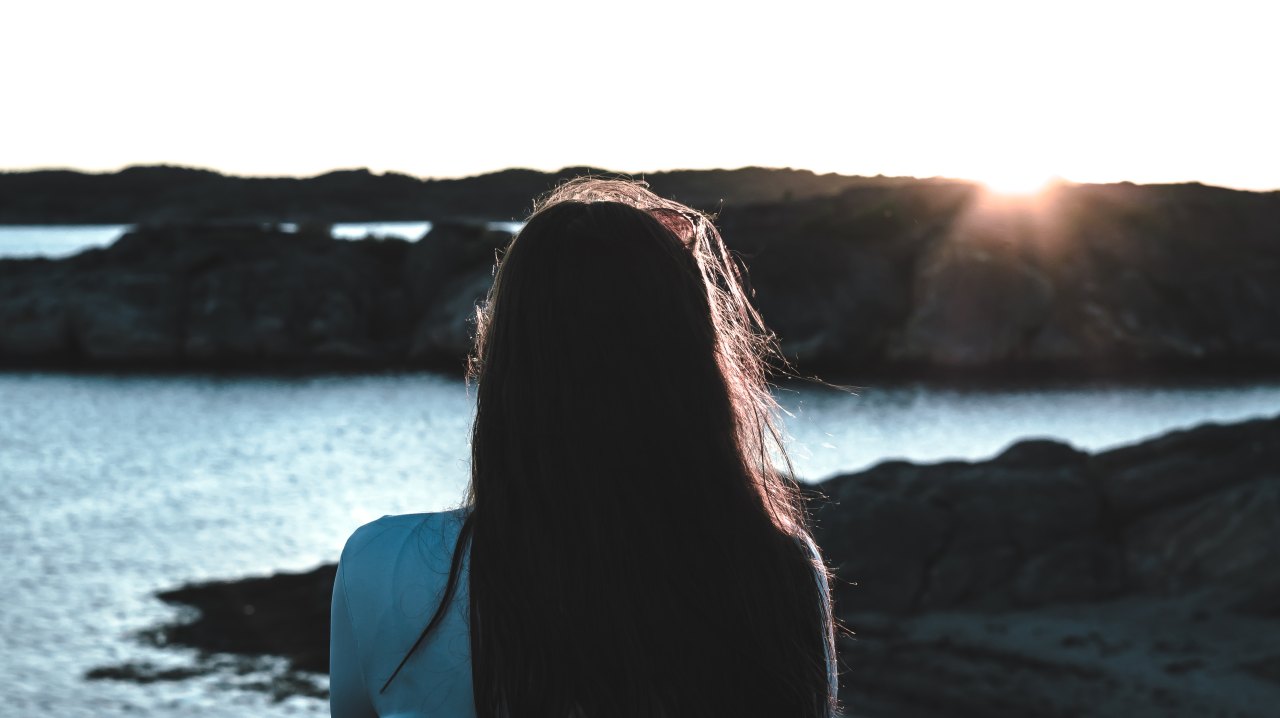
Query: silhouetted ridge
<point x="859" y="275"/>
<point x="145" y="194"/>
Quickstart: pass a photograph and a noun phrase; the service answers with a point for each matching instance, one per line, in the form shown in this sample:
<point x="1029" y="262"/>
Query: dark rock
<point x="1093" y="279"/>
<point x="1177" y="468"/>
<point x="450" y="274"/>
<point x="282" y="615"/>
<point x="833" y="275"/>
<point x="142" y="673"/>
<point x="1030" y="453"/>
<point x="981" y="523"/>
<point x="246" y="297"/>
<point x="36" y="326"/>
<point x="169" y="194"/>
<point x="1045" y="537"/>
<point x="856" y="275"/>
<point x="1044" y="523"/>
<point x="1229" y="537"/>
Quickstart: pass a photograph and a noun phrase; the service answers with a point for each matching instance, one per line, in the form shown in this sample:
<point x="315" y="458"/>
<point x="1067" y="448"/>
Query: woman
<point x="627" y="547"/>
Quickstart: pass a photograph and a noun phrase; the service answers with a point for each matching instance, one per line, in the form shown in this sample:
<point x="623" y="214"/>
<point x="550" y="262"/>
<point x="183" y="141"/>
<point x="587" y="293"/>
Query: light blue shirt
<point x="390" y="580"/>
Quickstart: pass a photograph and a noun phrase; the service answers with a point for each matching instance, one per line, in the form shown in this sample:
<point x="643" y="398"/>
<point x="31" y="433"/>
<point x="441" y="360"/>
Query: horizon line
<point x="1055" y="179"/>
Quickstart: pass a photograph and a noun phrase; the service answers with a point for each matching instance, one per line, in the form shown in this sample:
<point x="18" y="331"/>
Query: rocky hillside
<point x="1096" y="278"/>
<point x="924" y="277"/>
<point x="1048" y="582"/>
<point x="227" y="297"/>
<point x="179" y="194"/>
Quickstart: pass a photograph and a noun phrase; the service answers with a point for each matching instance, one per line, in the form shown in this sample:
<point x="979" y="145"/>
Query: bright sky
<point x="1009" y="93"/>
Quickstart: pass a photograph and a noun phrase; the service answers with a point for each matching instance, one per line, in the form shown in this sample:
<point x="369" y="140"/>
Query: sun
<point x="1016" y="182"/>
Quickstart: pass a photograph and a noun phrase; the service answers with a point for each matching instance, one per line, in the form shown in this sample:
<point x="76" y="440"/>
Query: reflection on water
<point x="836" y="432"/>
<point x="118" y="486"/>
<point x="412" y="231"/>
<point x="58" y="241"/>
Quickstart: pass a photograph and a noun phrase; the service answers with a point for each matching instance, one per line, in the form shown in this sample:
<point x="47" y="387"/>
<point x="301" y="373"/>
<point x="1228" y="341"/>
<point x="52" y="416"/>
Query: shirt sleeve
<point x="348" y="695"/>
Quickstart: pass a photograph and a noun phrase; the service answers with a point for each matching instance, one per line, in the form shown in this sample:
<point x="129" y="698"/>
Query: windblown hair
<point x="634" y="549"/>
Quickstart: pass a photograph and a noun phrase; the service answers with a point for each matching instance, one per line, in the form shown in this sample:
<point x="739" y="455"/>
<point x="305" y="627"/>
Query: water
<point x="412" y="231"/>
<point x="835" y="432"/>
<point x="118" y="486"/>
<point x="57" y="241"/>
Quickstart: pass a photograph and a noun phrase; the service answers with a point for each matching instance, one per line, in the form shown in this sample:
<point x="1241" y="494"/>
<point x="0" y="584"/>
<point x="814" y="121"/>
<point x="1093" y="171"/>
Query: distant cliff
<point x="226" y="297"/>
<point x="168" y="194"/>
<point x="1101" y="279"/>
<point x="922" y="277"/>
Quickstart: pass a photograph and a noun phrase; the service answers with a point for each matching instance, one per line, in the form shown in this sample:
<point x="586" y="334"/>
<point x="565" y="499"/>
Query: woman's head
<point x="619" y="317"/>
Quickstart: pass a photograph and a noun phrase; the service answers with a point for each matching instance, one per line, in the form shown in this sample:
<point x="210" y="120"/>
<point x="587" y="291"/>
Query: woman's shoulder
<point x="391" y="576"/>
<point x="391" y="541"/>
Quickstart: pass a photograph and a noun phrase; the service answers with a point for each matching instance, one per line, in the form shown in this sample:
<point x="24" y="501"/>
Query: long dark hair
<point x="634" y="551"/>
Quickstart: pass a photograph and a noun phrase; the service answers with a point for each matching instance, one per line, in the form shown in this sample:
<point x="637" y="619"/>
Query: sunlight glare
<point x="1017" y="183"/>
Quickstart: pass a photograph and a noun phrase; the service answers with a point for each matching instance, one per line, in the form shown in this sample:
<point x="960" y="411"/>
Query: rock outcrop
<point x="248" y="298"/>
<point x="1143" y="581"/>
<point x="148" y="195"/>
<point x="922" y="277"/>
<point x="1140" y="581"/>
<point x="1099" y="279"/>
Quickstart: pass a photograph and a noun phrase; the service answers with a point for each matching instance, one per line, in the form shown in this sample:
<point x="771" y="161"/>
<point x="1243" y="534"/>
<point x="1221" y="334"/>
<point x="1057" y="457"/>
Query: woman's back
<point x="631" y="548"/>
<point x="391" y="578"/>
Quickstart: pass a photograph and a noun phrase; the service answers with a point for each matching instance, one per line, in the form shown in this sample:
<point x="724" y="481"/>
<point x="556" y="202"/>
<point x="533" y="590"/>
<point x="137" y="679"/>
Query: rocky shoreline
<point x="1141" y="581"/>
<point x="910" y="277"/>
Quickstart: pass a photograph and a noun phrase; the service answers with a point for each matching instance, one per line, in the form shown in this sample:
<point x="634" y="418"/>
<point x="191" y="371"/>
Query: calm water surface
<point x="116" y="487"/>
<point x="58" y="241"/>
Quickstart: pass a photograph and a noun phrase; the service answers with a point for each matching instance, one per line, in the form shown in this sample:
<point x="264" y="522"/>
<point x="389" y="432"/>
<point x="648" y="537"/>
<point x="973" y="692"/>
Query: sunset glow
<point x="1006" y="93"/>
<point x="1017" y="183"/>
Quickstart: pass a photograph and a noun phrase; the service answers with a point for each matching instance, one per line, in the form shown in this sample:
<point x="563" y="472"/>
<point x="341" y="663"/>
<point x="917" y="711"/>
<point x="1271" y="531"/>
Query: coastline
<point x="899" y="281"/>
